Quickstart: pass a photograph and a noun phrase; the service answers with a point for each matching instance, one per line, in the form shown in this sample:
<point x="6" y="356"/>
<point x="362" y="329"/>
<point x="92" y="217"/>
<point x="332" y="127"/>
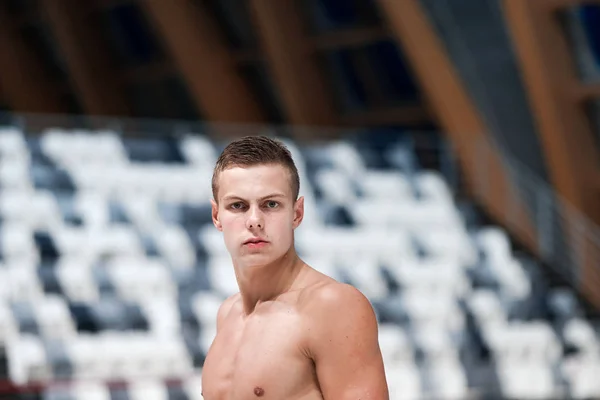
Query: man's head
<point x="255" y="188"/>
<point x="251" y="151"/>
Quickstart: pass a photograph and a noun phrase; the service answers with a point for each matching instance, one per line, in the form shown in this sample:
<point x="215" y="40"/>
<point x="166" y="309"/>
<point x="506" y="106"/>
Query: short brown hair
<point x="255" y="150"/>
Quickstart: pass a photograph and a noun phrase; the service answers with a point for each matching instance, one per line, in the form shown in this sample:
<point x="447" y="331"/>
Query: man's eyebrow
<point x="270" y="196"/>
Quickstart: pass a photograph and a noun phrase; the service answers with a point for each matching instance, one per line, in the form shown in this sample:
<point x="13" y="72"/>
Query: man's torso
<point x="262" y="355"/>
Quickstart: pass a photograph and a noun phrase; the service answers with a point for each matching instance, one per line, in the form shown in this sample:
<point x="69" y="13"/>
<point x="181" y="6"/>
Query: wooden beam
<point x="550" y="78"/>
<point x="206" y="64"/>
<point x="26" y="85"/>
<point x="485" y="175"/>
<point x="586" y="92"/>
<point x="566" y="133"/>
<point x="94" y="75"/>
<point x="3" y="102"/>
<point x="289" y="52"/>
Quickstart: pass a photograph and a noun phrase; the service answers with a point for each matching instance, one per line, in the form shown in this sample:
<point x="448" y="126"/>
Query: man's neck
<point x="263" y="283"/>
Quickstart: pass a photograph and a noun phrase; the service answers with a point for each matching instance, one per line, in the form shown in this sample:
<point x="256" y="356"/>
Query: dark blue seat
<point x="190" y="338"/>
<point x="59" y="360"/>
<point x="149" y="245"/>
<point x="117" y="213"/>
<point x="84" y="318"/>
<point x="176" y="392"/>
<point x="25" y="317"/>
<point x="49" y="280"/>
<point x="195" y="216"/>
<point x="136" y="320"/>
<point x="391" y="282"/>
<point x="336" y="215"/>
<point x="67" y="208"/>
<point x="53" y="179"/>
<point x="103" y="281"/>
<point x="163" y="150"/>
<point x="57" y="393"/>
<point x="391" y="310"/>
<point x="119" y="393"/>
<point x="170" y="213"/>
<point x="45" y="245"/>
<point x="190" y="281"/>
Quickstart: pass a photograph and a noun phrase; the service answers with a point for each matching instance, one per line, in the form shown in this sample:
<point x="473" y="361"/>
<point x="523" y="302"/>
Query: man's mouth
<point x="255" y="242"/>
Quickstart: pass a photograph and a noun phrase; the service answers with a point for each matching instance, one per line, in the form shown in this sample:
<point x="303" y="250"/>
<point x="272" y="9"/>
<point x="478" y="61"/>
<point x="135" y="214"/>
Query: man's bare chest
<point x="259" y="358"/>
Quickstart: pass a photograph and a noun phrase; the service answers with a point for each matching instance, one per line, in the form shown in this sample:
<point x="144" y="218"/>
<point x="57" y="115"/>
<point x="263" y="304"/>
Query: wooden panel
<point x="457" y="115"/>
<point x="566" y="134"/>
<point x="290" y="55"/>
<point x="551" y="80"/>
<point x="206" y="64"/>
<point x="585" y="92"/>
<point x="94" y="77"/>
<point x="25" y="83"/>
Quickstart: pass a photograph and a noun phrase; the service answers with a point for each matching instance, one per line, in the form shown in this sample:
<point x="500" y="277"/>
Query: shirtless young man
<point x="291" y="332"/>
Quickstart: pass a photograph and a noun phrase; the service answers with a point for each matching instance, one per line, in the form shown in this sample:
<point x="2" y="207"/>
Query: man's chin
<point x="255" y="256"/>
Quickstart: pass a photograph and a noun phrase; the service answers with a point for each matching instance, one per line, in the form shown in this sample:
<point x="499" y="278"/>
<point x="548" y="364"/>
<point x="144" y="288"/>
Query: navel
<point x="258" y="391"/>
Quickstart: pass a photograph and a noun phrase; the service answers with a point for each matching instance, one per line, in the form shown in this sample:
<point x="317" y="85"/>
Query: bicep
<point x="347" y="355"/>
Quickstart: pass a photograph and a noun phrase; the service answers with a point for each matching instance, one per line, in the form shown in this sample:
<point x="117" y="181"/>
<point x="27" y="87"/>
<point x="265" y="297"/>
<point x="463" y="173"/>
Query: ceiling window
<point x="331" y="15"/>
<point x="131" y="35"/>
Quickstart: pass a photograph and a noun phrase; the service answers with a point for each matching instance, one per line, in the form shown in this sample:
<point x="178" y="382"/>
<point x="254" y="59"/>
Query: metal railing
<point x="563" y="237"/>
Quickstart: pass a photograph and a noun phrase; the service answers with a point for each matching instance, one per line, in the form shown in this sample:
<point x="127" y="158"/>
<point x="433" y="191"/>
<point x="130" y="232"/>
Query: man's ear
<point x="215" y="215"/>
<point x="298" y="212"/>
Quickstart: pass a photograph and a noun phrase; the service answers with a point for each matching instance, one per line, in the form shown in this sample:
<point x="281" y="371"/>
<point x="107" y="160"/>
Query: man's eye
<point x="236" y="206"/>
<point x="272" y="204"/>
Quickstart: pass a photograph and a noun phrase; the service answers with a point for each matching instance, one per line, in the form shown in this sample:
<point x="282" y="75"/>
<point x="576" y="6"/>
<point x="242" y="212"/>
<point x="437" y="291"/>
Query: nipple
<point x="258" y="391"/>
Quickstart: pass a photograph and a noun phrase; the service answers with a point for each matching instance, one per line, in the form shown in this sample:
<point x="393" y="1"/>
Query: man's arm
<point x="344" y="345"/>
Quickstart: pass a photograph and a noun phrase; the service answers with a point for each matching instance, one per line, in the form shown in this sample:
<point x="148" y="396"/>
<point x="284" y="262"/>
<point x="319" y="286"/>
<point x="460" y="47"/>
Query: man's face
<point x="257" y="213"/>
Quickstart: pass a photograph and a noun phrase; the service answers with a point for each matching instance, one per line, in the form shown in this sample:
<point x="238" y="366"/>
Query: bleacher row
<point x="112" y="272"/>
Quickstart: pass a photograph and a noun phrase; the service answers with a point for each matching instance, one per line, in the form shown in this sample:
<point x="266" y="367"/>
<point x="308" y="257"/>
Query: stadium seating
<point x="112" y="272"/>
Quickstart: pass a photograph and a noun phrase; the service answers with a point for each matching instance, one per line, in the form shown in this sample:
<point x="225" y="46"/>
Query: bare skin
<point x="291" y="332"/>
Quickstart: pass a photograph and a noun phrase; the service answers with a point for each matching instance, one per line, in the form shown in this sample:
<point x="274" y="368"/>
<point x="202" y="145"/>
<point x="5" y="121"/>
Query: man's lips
<point x="255" y="241"/>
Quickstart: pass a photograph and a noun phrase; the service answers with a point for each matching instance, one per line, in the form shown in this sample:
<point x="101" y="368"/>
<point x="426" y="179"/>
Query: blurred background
<point x="448" y="152"/>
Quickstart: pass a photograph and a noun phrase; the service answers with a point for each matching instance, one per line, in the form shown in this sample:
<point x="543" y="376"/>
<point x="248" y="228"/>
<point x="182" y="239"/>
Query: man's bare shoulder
<point x="226" y="307"/>
<point x="337" y="314"/>
<point x="330" y="295"/>
<point x="332" y="300"/>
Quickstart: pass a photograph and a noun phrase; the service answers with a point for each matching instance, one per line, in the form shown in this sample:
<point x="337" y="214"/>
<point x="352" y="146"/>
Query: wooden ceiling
<point x="65" y="58"/>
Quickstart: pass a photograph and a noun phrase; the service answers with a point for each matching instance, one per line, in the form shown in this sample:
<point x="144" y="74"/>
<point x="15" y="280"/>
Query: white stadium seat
<point x="86" y="390"/>
<point x="385" y="185"/>
<point x="581" y="373"/>
<point x="53" y="317"/>
<point x="404" y="381"/>
<point x="145" y="389"/>
<point x="27" y="360"/>
<point x="132" y="287"/>
<point x="527" y="381"/>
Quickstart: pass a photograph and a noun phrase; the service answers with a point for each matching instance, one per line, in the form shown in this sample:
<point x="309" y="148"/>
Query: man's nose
<point x="255" y="219"/>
